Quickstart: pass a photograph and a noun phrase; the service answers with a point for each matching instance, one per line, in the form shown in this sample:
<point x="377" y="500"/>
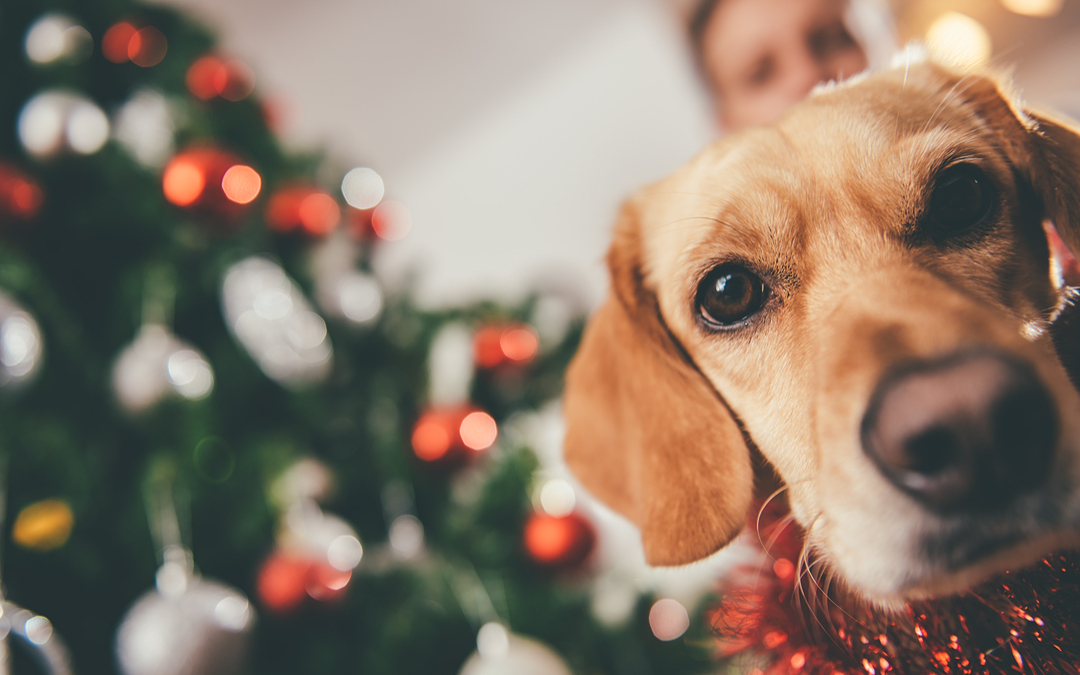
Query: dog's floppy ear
<point x="646" y="432"/>
<point x="1058" y="171"/>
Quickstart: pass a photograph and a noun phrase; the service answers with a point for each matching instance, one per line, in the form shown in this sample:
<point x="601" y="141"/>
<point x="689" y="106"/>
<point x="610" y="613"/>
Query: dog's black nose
<point x="965" y="433"/>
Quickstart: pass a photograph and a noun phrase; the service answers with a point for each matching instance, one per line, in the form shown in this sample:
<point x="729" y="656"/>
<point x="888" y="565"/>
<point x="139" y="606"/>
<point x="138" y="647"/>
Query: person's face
<point x="764" y="55"/>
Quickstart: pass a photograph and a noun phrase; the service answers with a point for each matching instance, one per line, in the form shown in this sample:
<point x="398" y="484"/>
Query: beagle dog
<point x="864" y="294"/>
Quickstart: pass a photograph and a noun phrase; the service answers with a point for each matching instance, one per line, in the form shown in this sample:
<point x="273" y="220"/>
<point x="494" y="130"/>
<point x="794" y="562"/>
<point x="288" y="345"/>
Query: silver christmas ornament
<point x="20" y="345"/>
<point x="158" y="364"/>
<point x="498" y="652"/>
<point x="57" y="121"/>
<point x="270" y="317"/>
<point x="187" y="625"/>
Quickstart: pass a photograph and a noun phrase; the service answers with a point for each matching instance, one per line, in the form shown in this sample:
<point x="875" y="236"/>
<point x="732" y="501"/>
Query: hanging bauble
<point x="41" y="642"/>
<point x="157" y="364"/>
<point x="214" y="76"/>
<point x="498" y="652"/>
<point x="20" y="196"/>
<point x="270" y="317"/>
<point x="304" y="207"/>
<point x="20" y="346"/>
<point x="56" y="37"/>
<point x="212" y="183"/>
<point x="144" y="46"/>
<point x="452" y="435"/>
<point x="186" y="625"/>
<point x="499" y="345"/>
<point x="145" y="125"/>
<point x="315" y="557"/>
<point x="43" y="526"/>
<point x="58" y="121"/>
<point x="562" y="542"/>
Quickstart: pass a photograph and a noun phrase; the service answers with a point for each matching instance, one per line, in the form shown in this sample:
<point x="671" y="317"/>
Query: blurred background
<point x="287" y="293"/>
<point x="514" y="129"/>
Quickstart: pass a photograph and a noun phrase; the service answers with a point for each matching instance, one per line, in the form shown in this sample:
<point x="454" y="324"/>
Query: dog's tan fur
<point x="822" y="204"/>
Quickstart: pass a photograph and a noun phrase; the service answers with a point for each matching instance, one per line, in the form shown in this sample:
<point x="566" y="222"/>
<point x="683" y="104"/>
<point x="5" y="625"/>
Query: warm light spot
<point x="281" y="582"/>
<point x="959" y="39"/>
<point x="798" y="660"/>
<point x="326" y="583"/>
<point x="487" y="347"/>
<point x="548" y="538"/>
<point x="557" y="498"/>
<point x="147" y="47"/>
<point x="43" y="525"/>
<point x="668" y="619"/>
<point x="20" y="197"/>
<point x="319" y="213"/>
<point x="520" y="343"/>
<point x="203" y="76"/>
<point x="783" y="568"/>
<point x="1034" y="7"/>
<point x="344" y="553"/>
<point x="391" y="220"/>
<point x="430" y="440"/>
<point x="241" y="184"/>
<point x="774" y="639"/>
<point x="478" y="431"/>
<point x="236" y="82"/>
<point x="183" y="182"/>
<point x="115" y="42"/>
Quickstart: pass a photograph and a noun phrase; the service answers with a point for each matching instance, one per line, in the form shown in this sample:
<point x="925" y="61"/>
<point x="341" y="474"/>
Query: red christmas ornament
<point x="559" y="541"/>
<point x="303" y="207"/>
<point x="452" y="435"/>
<point x="286" y="580"/>
<point x="210" y="182"/>
<point x="20" y="195"/>
<point x="214" y="76"/>
<point x="505" y="344"/>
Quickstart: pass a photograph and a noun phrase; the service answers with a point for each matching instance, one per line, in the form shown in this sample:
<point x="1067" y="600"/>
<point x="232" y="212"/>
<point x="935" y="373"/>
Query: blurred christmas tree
<point x="176" y="414"/>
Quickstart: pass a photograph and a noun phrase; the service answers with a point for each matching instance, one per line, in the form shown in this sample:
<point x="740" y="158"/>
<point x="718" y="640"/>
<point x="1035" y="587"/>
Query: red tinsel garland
<point x="783" y="619"/>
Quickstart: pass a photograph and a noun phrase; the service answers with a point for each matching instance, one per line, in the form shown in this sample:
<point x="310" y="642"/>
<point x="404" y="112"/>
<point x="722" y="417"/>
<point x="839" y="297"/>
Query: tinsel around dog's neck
<point x="781" y="618"/>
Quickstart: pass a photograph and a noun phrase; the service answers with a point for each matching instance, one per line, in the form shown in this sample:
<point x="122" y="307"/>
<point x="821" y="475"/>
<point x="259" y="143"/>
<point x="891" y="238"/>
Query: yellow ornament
<point x="44" y="525"/>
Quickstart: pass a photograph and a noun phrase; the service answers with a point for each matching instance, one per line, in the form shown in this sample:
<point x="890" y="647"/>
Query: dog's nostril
<point x="968" y="432"/>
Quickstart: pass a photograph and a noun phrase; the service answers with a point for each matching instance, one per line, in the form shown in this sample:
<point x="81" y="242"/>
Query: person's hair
<point x="699" y="23"/>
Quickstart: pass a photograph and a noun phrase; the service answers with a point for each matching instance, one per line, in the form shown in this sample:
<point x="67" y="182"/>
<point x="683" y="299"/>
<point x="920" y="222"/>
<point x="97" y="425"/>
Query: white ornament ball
<point x="187" y="626"/>
<point x="314" y="534"/>
<point x="55" y="121"/>
<point x="158" y="364"/>
<point x="20" y="345"/>
<point x="270" y="317"/>
<point x="499" y="652"/>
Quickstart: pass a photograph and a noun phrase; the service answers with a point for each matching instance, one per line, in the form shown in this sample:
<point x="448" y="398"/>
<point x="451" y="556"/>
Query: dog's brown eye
<point x="730" y="294"/>
<point x="962" y="199"/>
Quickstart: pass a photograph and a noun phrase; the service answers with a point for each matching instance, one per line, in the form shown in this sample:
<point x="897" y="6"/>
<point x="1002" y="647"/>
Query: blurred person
<point x="758" y="57"/>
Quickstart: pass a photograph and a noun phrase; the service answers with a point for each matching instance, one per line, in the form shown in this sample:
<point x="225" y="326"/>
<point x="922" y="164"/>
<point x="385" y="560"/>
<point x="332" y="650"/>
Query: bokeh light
<point x="20" y="197"/>
<point x="20" y="345"/>
<point x="563" y="541"/>
<point x="145" y="125"/>
<point x="391" y="220"/>
<point x="430" y="439"/>
<point x="492" y="641"/>
<point x="241" y="184"/>
<point x="360" y="297"/>
<point x="363" y="188"/>
<point x="959" y="39"/>
<point x="497" y="345"/>
<point x="87" y="128"/>
<point x="478" y="430"/>
<point x="1041" y="8"/>
<point x="147" y="47"/>
<point x="319" y="213"/>
<point x="183" y="181"/>
<point x="115" y="42"/>
<point x="54" y="120"/>
<point x="344" y="552"/>
<point x="190" y="374"/>
<point x="56" y="36"/>
<point x="668" y="619"/>
<point x="557" y="498"/>
<point x="44" y="525"/>
<point x="406" y="536"/>
<point x="519" y="343"/>
<point x="211" y="76"/>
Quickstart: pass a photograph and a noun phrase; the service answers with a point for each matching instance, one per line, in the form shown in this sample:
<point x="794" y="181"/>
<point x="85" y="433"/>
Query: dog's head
<point x="866" y="288"/>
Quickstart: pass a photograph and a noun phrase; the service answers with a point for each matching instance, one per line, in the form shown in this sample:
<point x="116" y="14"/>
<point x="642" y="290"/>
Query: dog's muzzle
<point x="966" y="434"/>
